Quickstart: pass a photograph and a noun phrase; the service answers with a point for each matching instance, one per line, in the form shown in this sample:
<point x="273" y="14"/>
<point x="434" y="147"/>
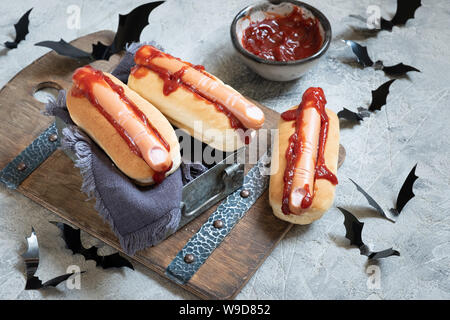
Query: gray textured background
<point x="314" y="261"/>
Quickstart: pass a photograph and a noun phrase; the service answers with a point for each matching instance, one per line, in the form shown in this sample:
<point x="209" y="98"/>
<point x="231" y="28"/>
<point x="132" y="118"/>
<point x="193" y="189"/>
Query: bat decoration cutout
<point x="364" y="60"/>
<point x="360" y="52"/>
<point x="372" y="202"/>
<point x="129" y="30"/>
<point x="353" y="232"/>
<point x="353" y="116"/>
<point x="405" y="194"/>
<point x="21" y="30"/>
<point x="73" y="242"/>
<point x="379" y="97"/>
<point x="31" y="258"/>
<point x="406" y="10"/>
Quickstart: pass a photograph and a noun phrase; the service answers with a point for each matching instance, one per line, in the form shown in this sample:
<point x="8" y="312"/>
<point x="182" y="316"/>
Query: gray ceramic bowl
<point x="277" y="70"/>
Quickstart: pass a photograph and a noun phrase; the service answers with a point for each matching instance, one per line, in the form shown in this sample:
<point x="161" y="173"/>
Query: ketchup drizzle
<point x="283" y="38"/>
<point x="295" y="146"/>
<point x="83" y="83"/>
<point x="172" y="81"/>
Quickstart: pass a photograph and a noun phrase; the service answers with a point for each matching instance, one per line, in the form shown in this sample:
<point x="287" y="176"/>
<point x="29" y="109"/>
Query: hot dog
<point x="304" y="160"/>
<point x="186" y="93"/>
<point x="135" y="135"/>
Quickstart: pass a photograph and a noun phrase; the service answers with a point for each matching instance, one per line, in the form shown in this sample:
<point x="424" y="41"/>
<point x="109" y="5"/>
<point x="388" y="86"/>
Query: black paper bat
<point x="379" y="97"/>
<point x="21" y="30"/>
<point x="362" y="55"/>
<point x="34" y="283"/>
<point x="31" y="258"/>
<point x="405" y="11"/>
<point x="399" y="69"/>
<point x="353" y="232"/>
<point x="353" y="116"/>
<point x="372" y="202"/>
<point x="405" y="194"/>
<point x="73" y="241"/>
<point x="129" y="30"/>
<point x="360" y="52"/>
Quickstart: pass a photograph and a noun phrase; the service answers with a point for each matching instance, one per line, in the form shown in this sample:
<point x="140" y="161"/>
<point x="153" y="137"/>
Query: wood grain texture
<point x="56" y="185"/>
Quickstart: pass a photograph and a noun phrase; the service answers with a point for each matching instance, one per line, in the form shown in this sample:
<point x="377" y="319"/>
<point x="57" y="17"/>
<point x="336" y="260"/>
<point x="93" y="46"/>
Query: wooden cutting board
<point x="56" y="184"/>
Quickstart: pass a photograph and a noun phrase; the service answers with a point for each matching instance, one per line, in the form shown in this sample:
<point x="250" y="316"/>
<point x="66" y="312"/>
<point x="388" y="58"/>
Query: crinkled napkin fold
<point x="139" y="216"/>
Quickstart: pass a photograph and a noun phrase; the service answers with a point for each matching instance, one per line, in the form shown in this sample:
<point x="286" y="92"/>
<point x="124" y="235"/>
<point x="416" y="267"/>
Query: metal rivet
<point x="21" y="166"/>
<point x="53" y="137"/>
<point x="245" y="193"/>
<point x="189" y="258"/>
<point x="218" y="224"/>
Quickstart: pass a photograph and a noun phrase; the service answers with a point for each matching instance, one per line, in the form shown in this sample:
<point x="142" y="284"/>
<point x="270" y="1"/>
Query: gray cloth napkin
<point x="139" y="216"/>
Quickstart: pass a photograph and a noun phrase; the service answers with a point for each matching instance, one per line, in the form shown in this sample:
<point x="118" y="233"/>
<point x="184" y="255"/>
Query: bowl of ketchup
<point x="281" y="41"/>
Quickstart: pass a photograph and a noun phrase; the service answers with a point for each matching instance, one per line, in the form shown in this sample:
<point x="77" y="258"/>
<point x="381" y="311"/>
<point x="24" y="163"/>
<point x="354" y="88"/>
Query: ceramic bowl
<point x="277" y="70"/>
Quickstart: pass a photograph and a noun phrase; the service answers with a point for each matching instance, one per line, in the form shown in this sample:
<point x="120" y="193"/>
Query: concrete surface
<point x="312" y="262"/>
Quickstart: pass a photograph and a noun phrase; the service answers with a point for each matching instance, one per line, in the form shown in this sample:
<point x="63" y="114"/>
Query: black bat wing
<point x="72" y="237"/>
<point x="129" y="30"/>
<point x="90" y="254"/>
<point x="405" y="11"/>
<point x="31" y="258"/>
<point x="21" y="30"/>
<point x="353" y="228"/>
<point x="386" y="24"/>
<point x="63" y="48"/>
<point x="383" y="254"/>
<point x="360" y="52"/>
<point x="57" y="280"/>
<point x="101" y="52"/>
<point x="349" y="115"/>
<point x="379" y="96"/>
<point x="406" y="191"/>
<point x="115" y="260"/>
<point x="34" y="283"/>
<point x="399" y="69"/>
<point x="371" y="201"/>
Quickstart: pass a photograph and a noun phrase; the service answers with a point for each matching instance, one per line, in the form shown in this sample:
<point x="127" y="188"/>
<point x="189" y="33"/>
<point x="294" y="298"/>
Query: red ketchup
<point x="172" y="81"/>
<point x="293" y="150"/>
<point x="83" y="82"/>
<point x="283" y="38"/>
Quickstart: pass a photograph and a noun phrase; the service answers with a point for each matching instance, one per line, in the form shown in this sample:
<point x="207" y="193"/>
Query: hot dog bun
<point x="186" y="109"/>
<point x="323" y="189"/>
<point x="89" y="118"/>
<point x="182" y="108"/>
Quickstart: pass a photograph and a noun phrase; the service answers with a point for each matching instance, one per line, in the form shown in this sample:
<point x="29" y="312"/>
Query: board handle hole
<point x="45" y="91"/>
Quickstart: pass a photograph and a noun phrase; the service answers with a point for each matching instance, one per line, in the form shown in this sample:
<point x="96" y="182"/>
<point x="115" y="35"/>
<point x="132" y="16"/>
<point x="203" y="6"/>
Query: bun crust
<point x="186" y="111"/>
<point x="323" y="189"/>
<point x="88" y="118"/>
